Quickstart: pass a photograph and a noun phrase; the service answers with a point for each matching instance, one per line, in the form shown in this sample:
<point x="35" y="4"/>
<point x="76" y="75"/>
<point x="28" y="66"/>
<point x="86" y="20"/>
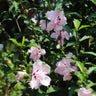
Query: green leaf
<point x="90" y="70"/>
<point x="76" y="23"/>
<point x="23" y="40"/>
<point x="93" y="1"/>
<point x="33" y="45"/>
<point x="70" y="44"/>
<point x="85" y="37"/>
<point x="38" y="29"/>
<point x="90" y="53"/>
<point x="13" y="70"/>
<point x="80" y="65"/>
<point x="80" y="76"/>
<point x="15" y="41"/>
<point x="75" y="13"/>
<point x="84" y="26"/>
<point x="90" y="84"/>
<point x="71" y="90"/>
<point x="52" y="89"/>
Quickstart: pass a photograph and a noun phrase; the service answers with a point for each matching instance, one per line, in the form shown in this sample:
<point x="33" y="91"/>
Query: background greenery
<point x="18" y="33"/>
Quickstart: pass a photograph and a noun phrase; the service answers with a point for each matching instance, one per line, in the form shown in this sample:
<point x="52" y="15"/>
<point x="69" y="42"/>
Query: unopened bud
<point x="58" y="46"/>
<point x="85" y="68"/>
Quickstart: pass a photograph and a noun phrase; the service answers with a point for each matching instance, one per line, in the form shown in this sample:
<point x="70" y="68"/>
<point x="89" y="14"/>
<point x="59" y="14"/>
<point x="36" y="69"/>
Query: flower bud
<point x="20" y="75"/>
<point x="58" y="46"/>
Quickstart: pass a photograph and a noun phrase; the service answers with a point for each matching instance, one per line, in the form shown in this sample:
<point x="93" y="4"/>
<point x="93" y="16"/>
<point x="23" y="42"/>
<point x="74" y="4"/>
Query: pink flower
<point x="69" y="54"/>
<point x="36" y="53"/>
<point x="50" y="26"/>
<point x="62" y="65"/>
<point x="85" y="92"/>
<point x="55" y="35"/>
<point x="65" y="68"/>
<point x="57" y="19"/>
<point x="39" y="76"/>
<point x="43" y="24"/>
<point x="63" y="35"/>
<point x="67" y="77"/>
<point x="20" y="75"/>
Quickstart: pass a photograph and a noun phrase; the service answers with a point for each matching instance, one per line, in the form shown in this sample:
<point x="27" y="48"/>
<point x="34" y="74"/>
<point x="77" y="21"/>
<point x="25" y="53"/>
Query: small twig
<point x="18" y="25"/>
<point x="6" y="90"/>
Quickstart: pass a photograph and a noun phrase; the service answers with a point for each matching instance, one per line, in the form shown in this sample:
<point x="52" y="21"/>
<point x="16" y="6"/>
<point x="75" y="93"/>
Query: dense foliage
<point x="21" y="32"/>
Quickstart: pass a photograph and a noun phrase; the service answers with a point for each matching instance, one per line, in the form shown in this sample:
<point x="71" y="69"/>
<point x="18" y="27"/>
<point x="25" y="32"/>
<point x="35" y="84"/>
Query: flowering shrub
<point x="42" y="41"/>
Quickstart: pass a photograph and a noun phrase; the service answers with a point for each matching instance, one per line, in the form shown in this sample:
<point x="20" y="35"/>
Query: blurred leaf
<point x="90" y="84"/>
<point x="76" y="23"/>
<point x="80" y="65"/>
<point x="94" y="1"/>
<point x="67" y="28"/>
<point x="23" y="40"/>
<point x="84" y="26"/>
<point x="33" y="45"/>
<point x="15" y="41"/>
<point x="80" y="76"/>
<point x="71" y="90"/>
<point x="90" y="70"/>
<point x="52" y="89"/>
<point x="85" y="37"/>
<point x="13" y="70"/>
<point x="38" y="29"/>
<point x="90" y="53"/>
<point x="70" y="44"/>
<point x="74" y="13"/>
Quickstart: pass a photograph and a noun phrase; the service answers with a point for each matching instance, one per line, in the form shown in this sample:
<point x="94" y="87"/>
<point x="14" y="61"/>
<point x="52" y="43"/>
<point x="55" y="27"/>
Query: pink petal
<point x="50" y="26"/>
<point x="67" y="77"/>
<point x="84" y="92"/>
<point x="50" y="14"/>
<point x="45" y="81"/>
<point x="43" y="24"/>
<point x="58" y="28"/>
<point x="43" y="52"/>
<point x="55" y="35"/>
<point x="37" y="65"/>
<point x="34" y="84"/>
<point x="45" y="69"/>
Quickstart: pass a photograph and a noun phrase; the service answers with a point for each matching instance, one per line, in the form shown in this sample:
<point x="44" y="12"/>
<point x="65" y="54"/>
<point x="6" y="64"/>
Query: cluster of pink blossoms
<point x="85" y="92"/>
<point x="39" y="76"/>
<point x="57" y="20"/>
<point x="36" y="53"/>
<point x="39" y="70"/>
<point x="65" y="68"/>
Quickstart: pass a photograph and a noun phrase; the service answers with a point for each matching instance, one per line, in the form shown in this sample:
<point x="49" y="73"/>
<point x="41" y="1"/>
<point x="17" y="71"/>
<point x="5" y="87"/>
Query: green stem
<point x="76" y="44"/>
